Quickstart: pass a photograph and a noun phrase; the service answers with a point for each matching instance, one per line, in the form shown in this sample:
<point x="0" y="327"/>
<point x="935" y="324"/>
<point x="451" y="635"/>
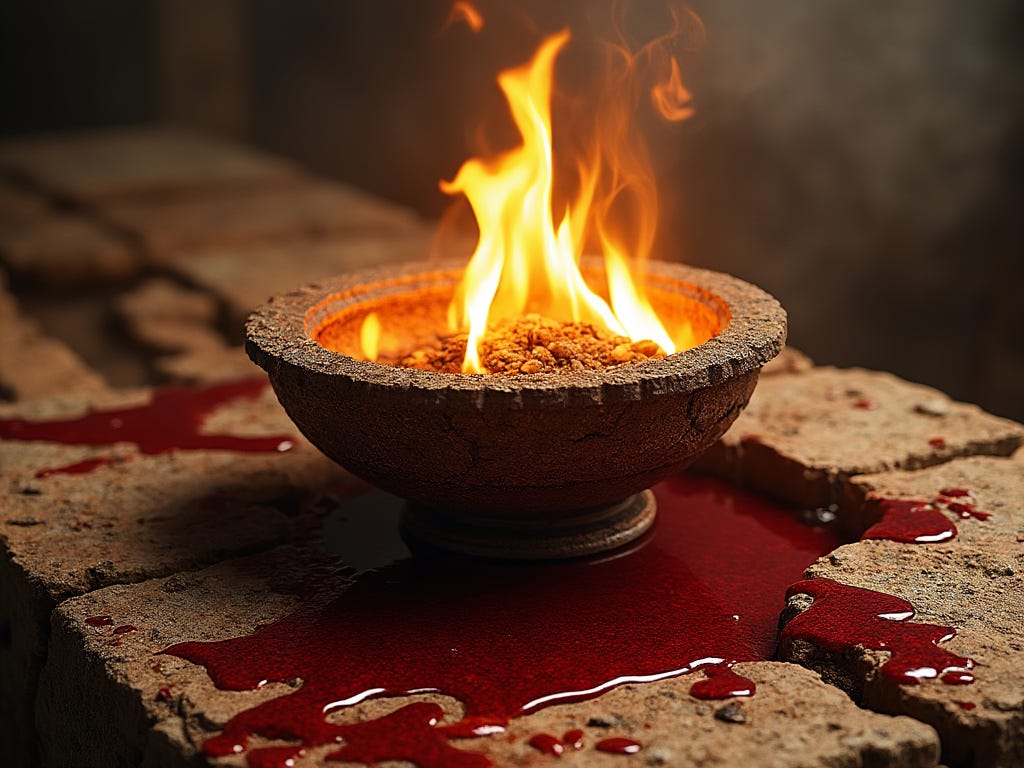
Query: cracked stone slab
<point x="154" y="161"/>
<point x="34" y="365"/>
<point x="162" y="299"/>
<point x="207" y="365"/>
<point x="995" y="486"/>
<point x="973" y="583"/>
<point x="64" y="250"/>
<point x="312" y="209"/>
<point x="158" y="709"/>
<point x="244" y="278"/>
<point x="131" y="518"/>
<point x="803" y="435"/>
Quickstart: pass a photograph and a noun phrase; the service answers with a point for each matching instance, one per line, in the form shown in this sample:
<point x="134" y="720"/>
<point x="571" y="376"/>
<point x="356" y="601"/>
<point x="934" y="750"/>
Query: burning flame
<point x="369" y="336"/>
<point x="466" y="13"/>
<point x="671" y="98"/>
<point x="525" y="260"/>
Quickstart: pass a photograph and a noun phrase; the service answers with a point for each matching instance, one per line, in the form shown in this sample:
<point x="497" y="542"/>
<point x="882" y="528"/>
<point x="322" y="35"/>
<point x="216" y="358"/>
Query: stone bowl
<point x="538" y="465"/>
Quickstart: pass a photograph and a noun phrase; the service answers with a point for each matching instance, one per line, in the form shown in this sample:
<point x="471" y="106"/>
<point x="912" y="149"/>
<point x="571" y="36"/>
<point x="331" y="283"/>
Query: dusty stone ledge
<point x="973" y="583"/>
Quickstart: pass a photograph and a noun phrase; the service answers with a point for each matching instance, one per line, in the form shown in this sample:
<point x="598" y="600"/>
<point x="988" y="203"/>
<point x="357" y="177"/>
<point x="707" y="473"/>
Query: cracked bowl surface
<point x="510" y="446"/>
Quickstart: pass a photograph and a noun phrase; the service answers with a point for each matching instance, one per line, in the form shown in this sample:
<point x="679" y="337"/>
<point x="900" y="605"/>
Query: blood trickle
<point x="960" y="502"/>
<point x="172" y="420"/>
<point x="499" y="636"/>
<point x="912" y="522"/>
<point x="842" y="618"/>
<point x="617" y="745"/>
<point x="78" y="468"/>
<point x="100" y="621"/>
<point x="967" y="511"/>
<point x="722" y="683"/>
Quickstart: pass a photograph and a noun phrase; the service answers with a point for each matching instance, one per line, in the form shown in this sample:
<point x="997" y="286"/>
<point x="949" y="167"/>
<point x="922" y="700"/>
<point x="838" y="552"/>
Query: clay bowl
<point x="541" y="465"/>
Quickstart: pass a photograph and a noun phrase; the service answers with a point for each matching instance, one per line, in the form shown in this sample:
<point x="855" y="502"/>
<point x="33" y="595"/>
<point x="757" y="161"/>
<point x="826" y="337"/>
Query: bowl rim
<point x="278" y="334"/>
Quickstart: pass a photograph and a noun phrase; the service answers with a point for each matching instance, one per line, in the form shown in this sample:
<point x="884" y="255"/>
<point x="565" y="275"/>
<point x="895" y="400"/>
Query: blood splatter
<point x="842" y="618"/>
<point x="617" y="745"/>
<point x="548" y="744"/>
<point x="722" y="683"/>
<point x="912" y="522"/>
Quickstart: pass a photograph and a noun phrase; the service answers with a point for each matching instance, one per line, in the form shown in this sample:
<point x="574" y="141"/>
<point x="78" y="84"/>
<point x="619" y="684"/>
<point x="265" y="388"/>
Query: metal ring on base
<point x="549" y="538"/>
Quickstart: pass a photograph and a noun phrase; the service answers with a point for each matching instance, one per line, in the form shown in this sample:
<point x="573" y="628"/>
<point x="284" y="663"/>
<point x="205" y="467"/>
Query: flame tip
<point x="526" y="258"/>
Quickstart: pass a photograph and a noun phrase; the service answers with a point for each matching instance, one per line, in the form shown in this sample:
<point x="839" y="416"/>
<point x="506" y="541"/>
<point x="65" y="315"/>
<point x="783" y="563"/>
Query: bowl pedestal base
<point x="552" y="537"/>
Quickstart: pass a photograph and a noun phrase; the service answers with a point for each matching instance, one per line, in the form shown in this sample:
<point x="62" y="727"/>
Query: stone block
<point x="803" y="435"/>
<point x="127" y="163"/>
<point x="311" y="209"/>
<point x="110" y="507"/>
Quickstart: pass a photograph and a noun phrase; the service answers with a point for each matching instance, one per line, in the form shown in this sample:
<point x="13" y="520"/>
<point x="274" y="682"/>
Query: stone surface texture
<point x="804" y="434"/>
<point x="33" y="365"/>
<point x="63" y="250"/>
<point x="308" y="209"/>
<point x="139" y="517"/>
<point x="94" y="166"/>
<point x="242" y="278"/>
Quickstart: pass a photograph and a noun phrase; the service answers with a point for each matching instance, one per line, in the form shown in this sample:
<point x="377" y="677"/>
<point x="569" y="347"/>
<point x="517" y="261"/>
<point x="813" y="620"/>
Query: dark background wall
<point x="863" y="161"/>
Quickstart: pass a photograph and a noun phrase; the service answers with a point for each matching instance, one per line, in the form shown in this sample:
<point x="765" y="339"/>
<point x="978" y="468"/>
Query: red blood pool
<point x="573" y="738"/>
<point x="506" y="639"/>
<point x="172" y="420"/>
<point x="913" y="522"/>
<point x="100" y="621"/>
<point x="843" y="617"/>
<point x="937" y="442"/>
<point x="865" y="404"/>
<point x="618" y="745"/>
<point x="124" y="629"/>
<point x="548" y="744"/>
<point x="722" y="683"/>
<point x="967" y="705"/>
<point x="164" y="694"/>
<point x="78" y="468"/>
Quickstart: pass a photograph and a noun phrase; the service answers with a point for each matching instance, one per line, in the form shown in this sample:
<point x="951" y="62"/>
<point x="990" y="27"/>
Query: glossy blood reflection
<point x="705" y="586"/>
<point x="911" y="522"/>
<point x="842" y="618"/>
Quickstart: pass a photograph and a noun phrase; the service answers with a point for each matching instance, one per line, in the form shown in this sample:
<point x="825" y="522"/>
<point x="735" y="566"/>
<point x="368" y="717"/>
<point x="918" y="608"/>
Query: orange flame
<point x="466" y="13"/>
<point x="526" y="260"/>
<point x="369" y="336"/>
<point x="671" y="98"/>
